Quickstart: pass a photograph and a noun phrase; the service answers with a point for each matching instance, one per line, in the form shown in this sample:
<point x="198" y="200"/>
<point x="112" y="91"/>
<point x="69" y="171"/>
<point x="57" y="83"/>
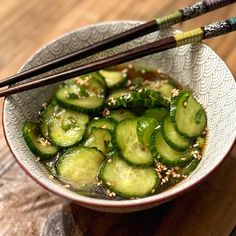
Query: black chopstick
<point x="192" y="36"/>
<point x="184" y="14"/>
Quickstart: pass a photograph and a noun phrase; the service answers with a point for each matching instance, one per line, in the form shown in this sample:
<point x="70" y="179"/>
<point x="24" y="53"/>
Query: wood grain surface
<point x="27" y="209"/>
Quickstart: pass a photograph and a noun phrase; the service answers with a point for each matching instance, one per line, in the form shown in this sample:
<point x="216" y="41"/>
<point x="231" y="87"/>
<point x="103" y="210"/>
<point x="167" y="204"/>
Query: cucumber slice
<point x="128" y="181"/>
<point x="140" y="98"/>
<point x="188" y="115"/>
<point x="126" y="140"/>
<point x="79" y="165"/>
<point x="159" y="113"/>
<point x="67" y="127"/>
<point x="46" y="115"/>
<point x="145" y="127"/>
<point x="121" y="114"/>
<point x="166" y="89"/>
<point x="172" y="137"/>
<point x="161" y="86"/>
<point x="189" y="168"/>
<point x="83" y="94"/>
<point x="99" y="78"/>
<point x="165" y="154"/>
<point x="99" y="138"/>
<point x="40" y="146"/>
<point x="113" y="79"/>
<point x="104" y="123"/>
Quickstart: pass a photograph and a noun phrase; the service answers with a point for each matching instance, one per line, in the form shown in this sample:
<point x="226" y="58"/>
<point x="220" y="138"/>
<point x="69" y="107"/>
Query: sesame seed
<point x="153" y="191"/>
<point x="113" y="194"/>
<point x="99" y="183"/>
<point x="128" y="83"/>
<point x="66" y="186"/>
<point x="156" y="85"/>
<point x="109" y="160"/>
<point x="175" y="92"/>
<point x="124" y="75"/>
<point x="204" y="132"/>
<point x="124" y="71"/>
<point x="185" y="104"/>
<point x="195" y="144"/>
<point x="130" y="66"/>
<point x="183" y="158"/>
<point x="143" y="71"/>
<point x="131" y="88"/>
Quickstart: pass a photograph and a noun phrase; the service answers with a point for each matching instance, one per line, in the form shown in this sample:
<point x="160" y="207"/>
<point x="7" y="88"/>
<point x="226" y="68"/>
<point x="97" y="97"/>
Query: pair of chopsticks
<point x="192" y="36"/>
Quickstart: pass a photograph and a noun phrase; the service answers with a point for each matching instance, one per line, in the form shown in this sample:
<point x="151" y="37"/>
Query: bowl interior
<point x="195" y="66"/>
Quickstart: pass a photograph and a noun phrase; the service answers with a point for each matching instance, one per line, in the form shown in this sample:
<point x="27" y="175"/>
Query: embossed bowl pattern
<point x="195" y="66"/>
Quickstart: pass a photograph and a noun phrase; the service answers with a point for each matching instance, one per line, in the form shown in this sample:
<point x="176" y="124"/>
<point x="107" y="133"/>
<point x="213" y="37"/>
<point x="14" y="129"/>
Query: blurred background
<point x="26" y="208"/>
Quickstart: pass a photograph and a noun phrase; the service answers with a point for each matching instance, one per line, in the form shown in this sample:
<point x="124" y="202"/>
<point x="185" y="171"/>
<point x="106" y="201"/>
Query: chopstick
<point x="175" y="17"/>
<point x="192" y="36"/>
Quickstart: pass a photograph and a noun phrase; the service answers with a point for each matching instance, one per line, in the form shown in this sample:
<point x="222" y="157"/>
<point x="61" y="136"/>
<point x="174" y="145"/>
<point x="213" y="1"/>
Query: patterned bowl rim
<point x="101" y="203"/>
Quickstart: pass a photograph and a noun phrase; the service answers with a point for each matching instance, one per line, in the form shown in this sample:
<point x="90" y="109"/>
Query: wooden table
<point x="27" y="209"/>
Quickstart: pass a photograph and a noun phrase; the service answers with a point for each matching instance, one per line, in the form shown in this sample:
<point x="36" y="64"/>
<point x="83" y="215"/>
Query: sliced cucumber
<point x="113" y="79"/>
<point x="189" y="168"/>
<point x="83" y="94"/>
<point x="105" y="123"/>
<point x="99" y="138"/>
<point x="98" y="77"/>
<point x="126" y="141"/>
<point x="159" y="113"/>
<point x="79" y="165"/>
<point x="140" y="98"/>
<point x="145" y="127"/>
<point x="67" y="127"/>
<point x="163" y="87"/>
<point x="40" y="146"/>
<point x="121" y="114"/>
<point x="166" y="89"/>
<point x="46" y="115"/>
<point x="165" y="154"/>
<point x="128" y="181"/>
<point x="172" y="137"/>
<point x="188" y="115"/>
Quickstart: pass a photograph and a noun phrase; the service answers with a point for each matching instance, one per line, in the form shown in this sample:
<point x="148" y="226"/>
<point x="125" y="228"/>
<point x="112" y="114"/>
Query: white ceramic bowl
<point x="196" y="66"/>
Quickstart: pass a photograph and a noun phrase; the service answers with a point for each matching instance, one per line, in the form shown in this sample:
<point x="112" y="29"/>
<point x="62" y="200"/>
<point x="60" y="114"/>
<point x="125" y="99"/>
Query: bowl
<point x="196" y="66"/>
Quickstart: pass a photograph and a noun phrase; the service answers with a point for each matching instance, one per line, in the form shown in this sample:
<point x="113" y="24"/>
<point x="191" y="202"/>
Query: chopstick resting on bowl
<point x="166" y="21"/>
<point x="180" y="39"/>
